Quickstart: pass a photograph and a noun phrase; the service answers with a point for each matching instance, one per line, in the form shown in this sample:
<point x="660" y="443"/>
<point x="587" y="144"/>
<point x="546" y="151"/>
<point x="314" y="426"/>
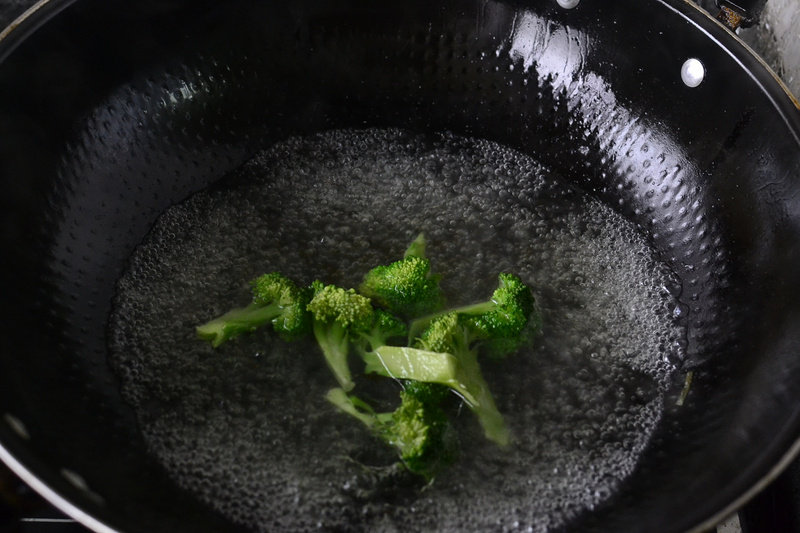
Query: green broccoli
<point x="421" y="433"/>
<point x="276" y="300"/>
<point x="503" y="322"/>
<point x="338" y="316"/>
<point x="405" y="287"/>
<point x="446" y="347"/>
<point x="384" y="327"/>
<point x="446" y="354"/>
<point x="406" y="362"/>
<point x="430" y="393"/>
<point x="441" y="354"/>
<point x="417" y="247"/>
<point x="418" y="429"/>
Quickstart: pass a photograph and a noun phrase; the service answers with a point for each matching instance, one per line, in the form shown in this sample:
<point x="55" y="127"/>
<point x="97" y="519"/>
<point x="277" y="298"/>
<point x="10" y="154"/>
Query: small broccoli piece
<point x="446" y="354"/>
<point x="451" y="333"/>
<point x="418" y="429"/>
<point x="406" y="362"/>
<point x="502" y="322"/>
<point x="405" y="287"/>
<point x="353" y="406"/>
<point x="338" y="315"/>
<point x="416" y="248"/>
<point x="421" y="433"/>
<point x="431" y="393"/>
<point x="385" y="327"/>
<point x="276" y="300"/>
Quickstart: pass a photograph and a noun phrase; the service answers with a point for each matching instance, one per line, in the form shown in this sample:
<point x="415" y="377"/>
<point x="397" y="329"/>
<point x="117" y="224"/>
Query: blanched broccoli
<point x="405" y="287"/>
<point x="276" y="300"/>
<point x="440" y="355"/>
<point x="501" y="322"/>
<point x="339" y="315"/>
<point x="385" y="327"/>
<point x="453" y="333"/>
<point x="426" y="392"/>
<point x="445" y="354"/>
<point x="418" y="429"/>
<point x="446" y="346"/>
<point x="417" y="247"/>
<point x="407" y="362"/>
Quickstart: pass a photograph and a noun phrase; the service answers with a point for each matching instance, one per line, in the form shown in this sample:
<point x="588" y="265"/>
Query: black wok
<point x="113" y="111"/>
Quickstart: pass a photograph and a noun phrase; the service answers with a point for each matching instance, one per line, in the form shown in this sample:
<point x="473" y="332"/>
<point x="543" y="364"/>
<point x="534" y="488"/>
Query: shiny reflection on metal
<point x="692" y="5"/>
<point x="793" y="452"/>
<point x="748" y="495"/>
<point x="76" y="479"/>
<point x="693" y="72"/>
<point x="38" y="14"/>
<point x="568" y="4"/>
<point x="59" y="502"/>
<point x="48" y="520"/>
<point x="556" y="51"/>
<point x="79" y="483"/>
<point x="556" y="54"/>
<point x="17" y="426"/>
<point x="27" y="13"/>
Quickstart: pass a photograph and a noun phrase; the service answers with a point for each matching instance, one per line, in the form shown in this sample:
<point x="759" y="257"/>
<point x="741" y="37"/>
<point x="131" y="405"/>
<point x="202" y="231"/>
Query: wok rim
<point x="28" y="22"/>
<point x="51" y="495"/>
<point x="751" y="492"/>
<point x="785" y="102"/>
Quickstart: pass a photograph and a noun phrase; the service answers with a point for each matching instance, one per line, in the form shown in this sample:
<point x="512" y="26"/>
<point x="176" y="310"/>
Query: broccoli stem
<point x="462" y="374"/>
<point x="420" y="324"/>
<point x="237" y="321"/>
<point x="332" y="339"/>
<point x="402" y="362"/>
<point x="471" y="378"/>
<point x="416" y="248"/>
<point x="417" y="430"/>
<point x="353" y="407"/>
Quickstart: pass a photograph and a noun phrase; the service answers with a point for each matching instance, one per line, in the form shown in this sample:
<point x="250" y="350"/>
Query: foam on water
<point x="246" y="428"/>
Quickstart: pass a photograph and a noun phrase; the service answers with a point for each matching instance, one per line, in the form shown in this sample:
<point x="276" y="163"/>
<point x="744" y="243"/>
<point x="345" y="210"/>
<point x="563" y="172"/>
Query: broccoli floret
<point x="446" y="354"/>
<point x="418" y="429"/>
<point x="421" y="433"/>
<point x="276" y="300"/>
<point x="385" y="327"/>
<point x="405" y="287"/>
<point x="503" y="322"/>
<point x="338" y="315"/>
<point x="431" y="393"/>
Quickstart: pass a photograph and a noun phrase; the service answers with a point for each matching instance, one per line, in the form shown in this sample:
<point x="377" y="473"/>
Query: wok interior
<point x="104" y="129"/>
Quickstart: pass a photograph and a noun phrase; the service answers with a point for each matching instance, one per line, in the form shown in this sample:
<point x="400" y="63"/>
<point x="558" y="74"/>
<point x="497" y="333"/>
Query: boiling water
<point x="246" y="428"/>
